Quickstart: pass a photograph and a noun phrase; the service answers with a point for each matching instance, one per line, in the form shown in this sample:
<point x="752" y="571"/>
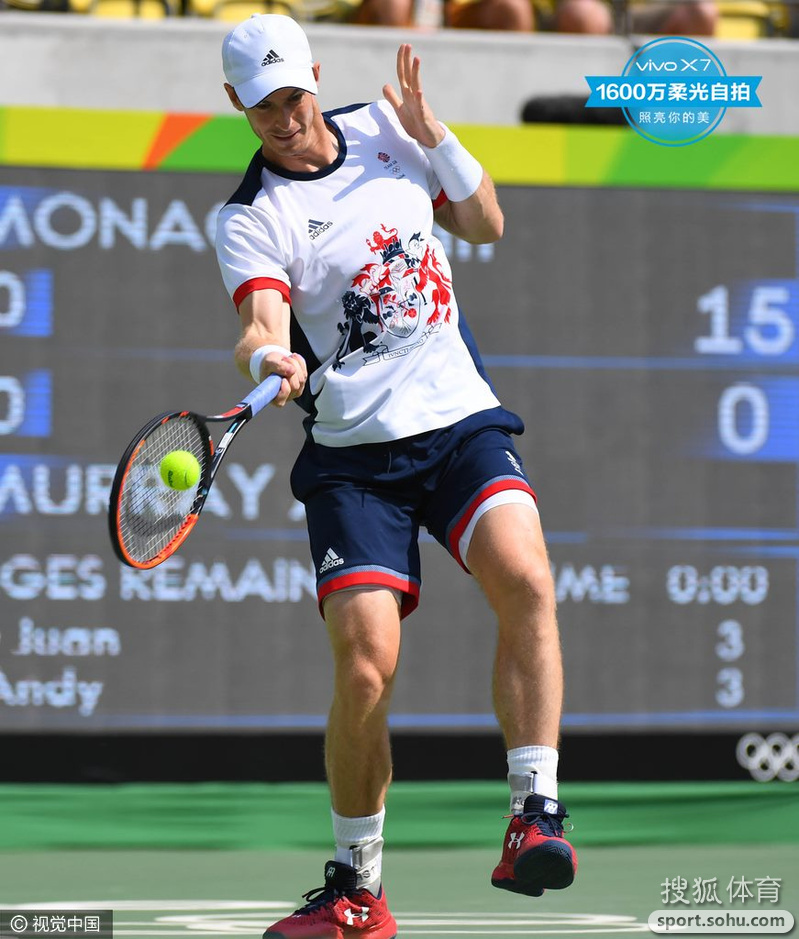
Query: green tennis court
<point x="208" y="859"/>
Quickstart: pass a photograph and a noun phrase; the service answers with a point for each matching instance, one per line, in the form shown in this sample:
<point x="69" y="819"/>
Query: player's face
<point x="284" y="123"/>
<point x="289" y="125"/>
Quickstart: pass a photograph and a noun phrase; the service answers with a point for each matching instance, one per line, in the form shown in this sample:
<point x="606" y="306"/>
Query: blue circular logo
<point x="671" y="96"/>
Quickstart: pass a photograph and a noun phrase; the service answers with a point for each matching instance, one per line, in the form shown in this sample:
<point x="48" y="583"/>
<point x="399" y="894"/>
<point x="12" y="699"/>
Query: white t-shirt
<point x="351" y="248"/>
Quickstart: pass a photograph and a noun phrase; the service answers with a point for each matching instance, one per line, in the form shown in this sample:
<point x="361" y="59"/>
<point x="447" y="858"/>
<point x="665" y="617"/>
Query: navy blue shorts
<point x="365" y="504"/>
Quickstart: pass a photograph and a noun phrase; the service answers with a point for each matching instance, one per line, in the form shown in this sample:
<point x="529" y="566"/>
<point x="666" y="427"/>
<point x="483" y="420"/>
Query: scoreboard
<point x="649" y="338"/>
<point x="661" y="356"/>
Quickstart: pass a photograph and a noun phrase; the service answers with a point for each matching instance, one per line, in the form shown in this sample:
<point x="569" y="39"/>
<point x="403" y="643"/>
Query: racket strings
<point x="150" y="513"/>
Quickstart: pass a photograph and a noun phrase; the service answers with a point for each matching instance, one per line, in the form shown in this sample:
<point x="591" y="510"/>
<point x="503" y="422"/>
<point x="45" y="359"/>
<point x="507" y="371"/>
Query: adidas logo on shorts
<point x="513" y="461"/>
<point x="331" y="560"/>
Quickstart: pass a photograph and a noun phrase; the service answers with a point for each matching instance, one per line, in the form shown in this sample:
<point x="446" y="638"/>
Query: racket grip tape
<point x="263" y="394"/>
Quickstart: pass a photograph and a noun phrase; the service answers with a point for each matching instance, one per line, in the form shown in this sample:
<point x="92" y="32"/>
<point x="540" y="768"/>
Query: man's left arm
<point x="471" y="210"/>
<point x="477" y="219"/>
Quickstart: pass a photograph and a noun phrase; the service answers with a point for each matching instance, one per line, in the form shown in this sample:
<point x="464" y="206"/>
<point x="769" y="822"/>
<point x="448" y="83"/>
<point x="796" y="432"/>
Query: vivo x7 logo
<point x="688" y="65"/>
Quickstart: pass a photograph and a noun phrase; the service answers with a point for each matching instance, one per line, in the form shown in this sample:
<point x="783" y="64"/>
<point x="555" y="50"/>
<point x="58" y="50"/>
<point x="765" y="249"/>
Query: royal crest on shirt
<point x="403" y="296"/>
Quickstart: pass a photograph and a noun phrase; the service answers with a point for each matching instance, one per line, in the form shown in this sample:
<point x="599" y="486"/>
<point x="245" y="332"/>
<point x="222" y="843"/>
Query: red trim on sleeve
<point x="409" y="589"/>
<point x="260" y="283"/>
<point x="440" y="199"/>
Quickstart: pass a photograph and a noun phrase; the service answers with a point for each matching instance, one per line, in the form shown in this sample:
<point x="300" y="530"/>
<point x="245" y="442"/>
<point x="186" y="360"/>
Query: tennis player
<point x="328" y="252"/>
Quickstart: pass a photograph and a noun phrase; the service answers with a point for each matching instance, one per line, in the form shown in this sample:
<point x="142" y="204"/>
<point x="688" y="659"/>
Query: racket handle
<point x="261" y="395"/>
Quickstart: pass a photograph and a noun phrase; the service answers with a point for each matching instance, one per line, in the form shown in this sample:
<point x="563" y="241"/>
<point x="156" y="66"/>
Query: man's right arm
<point x="265" y="318"/>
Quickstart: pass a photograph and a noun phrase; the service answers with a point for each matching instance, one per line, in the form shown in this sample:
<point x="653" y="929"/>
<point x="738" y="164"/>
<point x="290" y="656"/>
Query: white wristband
<point x="457" y="170"/>
<point x="259" y="355"/>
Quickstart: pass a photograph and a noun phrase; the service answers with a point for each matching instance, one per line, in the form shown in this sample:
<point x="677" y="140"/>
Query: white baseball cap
<point x="266" y="52"/>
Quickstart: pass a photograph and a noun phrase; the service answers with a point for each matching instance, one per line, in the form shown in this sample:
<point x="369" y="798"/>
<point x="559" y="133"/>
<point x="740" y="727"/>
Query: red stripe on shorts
<point x="501" y="485"/>
<point x="408" y="589"/>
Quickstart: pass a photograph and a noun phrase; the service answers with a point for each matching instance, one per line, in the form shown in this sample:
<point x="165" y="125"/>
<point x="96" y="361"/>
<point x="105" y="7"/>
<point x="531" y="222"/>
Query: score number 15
<point x="769" y="329"/>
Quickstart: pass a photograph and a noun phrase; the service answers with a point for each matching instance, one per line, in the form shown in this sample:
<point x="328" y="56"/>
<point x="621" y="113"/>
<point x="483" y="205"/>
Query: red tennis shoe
<point x="338" y="911"/>
<point x="535" y="855"/>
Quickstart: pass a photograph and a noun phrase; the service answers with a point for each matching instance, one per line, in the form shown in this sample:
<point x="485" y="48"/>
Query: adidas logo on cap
<point x="331" y="560"/>
<point x="264" y="53"/>
<point x="271" y="58"/>
<point x="315" y="228"/>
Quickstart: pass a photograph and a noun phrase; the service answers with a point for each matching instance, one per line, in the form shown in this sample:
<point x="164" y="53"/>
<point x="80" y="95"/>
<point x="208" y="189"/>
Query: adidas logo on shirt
<point x="315" y="228"/>
<point x="331" y="560"/>
<point x="271" y="58"/>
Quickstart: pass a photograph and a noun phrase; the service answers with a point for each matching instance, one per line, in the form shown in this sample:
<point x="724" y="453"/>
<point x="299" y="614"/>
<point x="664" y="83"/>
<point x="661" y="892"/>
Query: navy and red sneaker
<point x="535" y="855"/>
<point x="339" y="910"/>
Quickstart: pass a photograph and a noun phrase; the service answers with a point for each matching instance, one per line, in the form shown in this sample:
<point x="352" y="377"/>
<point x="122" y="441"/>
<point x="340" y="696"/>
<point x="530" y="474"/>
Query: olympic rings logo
<point x="773" y="757"/>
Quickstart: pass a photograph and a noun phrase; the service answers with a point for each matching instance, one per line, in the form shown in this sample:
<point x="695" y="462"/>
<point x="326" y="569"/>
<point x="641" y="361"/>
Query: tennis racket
<point x="147" y="520"/>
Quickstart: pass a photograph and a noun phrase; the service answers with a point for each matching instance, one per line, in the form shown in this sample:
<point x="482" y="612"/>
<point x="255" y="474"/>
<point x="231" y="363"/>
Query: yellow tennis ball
<point x="180" y="469"/>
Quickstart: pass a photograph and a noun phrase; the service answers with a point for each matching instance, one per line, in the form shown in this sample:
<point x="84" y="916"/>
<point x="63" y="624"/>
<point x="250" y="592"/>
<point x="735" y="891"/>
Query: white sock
<point x="359" y="843"/>
<point x="532" y="769"/>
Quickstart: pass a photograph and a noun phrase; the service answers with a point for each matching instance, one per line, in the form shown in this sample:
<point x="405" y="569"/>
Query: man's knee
<point x="364" y="674"/>
<point x="533" y="580"/>
<point x="365" y="682"/>
<point x="521" y="586"/>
